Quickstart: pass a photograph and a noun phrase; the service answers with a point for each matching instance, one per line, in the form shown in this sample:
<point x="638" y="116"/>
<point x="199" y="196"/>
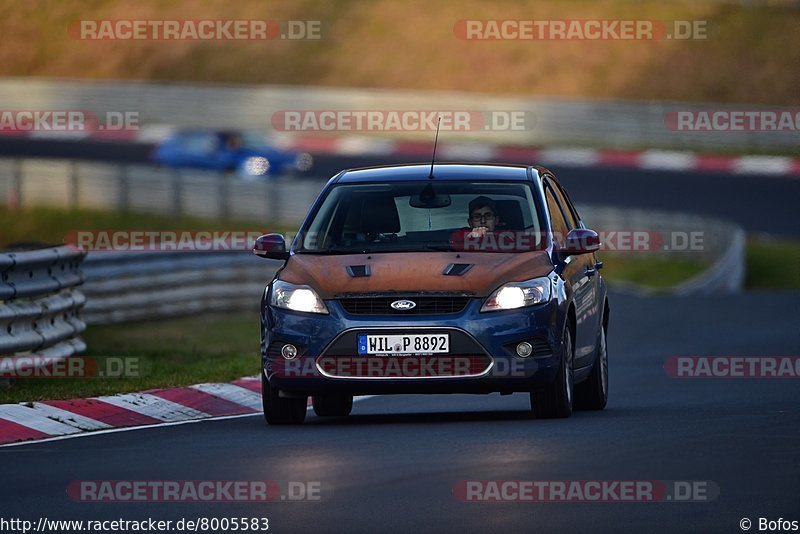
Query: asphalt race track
<point x="744" y="199"/>
<point x="392" y="465"/>
<point x="77" y="149"/>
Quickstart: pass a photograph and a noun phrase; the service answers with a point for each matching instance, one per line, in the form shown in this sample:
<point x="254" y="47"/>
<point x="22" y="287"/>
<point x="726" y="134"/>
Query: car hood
<point x="409" y="272"/>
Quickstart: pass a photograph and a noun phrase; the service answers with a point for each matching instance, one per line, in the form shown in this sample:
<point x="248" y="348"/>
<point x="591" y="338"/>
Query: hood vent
<point x="457" y="269"/>
<point x="358" y="271"/>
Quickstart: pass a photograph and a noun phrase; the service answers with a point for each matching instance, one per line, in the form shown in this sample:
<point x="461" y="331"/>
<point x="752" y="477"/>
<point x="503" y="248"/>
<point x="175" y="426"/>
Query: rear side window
<point x="569" y="206"/>
<point x="567" y="213"/>
<point x="198" y="143"/>
<point x="556" y="216"/>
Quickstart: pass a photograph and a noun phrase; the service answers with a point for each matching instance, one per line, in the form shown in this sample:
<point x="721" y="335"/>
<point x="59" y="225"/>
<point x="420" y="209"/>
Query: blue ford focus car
<point x="445" y="278"/>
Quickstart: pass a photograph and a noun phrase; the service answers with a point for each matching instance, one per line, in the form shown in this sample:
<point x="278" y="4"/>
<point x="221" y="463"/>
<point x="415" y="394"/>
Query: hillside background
<point x="752" y="57"/>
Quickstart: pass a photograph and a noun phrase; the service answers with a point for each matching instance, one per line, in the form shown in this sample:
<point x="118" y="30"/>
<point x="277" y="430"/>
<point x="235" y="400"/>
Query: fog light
<point x="289" y="351"/>
<point x="524" y="349"/>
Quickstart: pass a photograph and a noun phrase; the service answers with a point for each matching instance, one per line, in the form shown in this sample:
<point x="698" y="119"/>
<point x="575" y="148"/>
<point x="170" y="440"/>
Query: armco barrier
<point x="722" y="247"/>
<point x="61" y="183"/>
<point x="39" y="305"/>
<point x="126" y="286"/>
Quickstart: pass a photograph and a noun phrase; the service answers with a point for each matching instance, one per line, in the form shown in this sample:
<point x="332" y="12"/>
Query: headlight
<point x="518" y="295"/>
<point x="296" y="298"/>
<point x="303" y="162"/>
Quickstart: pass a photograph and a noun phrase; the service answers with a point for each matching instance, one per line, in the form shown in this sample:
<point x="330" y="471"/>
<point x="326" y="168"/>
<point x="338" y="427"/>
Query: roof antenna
<point x="435" y="140"/>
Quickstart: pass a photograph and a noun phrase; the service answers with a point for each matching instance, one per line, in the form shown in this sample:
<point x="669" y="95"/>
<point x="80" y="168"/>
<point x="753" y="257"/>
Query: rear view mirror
<point x="429" y="198"/>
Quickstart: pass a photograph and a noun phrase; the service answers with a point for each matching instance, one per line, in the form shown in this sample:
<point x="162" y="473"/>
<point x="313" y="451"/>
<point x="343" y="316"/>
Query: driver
<point x="487" y="232"/>
<point x="484" y="225"/>
<point x="482" y="217"/>
<point x="234" y="142"/>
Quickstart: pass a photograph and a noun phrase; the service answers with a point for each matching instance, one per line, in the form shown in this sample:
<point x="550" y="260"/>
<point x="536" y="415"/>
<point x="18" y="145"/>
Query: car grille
<point x="424" y="305"/>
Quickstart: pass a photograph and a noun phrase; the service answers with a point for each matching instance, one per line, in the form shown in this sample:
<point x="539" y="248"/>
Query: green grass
<point x="772" y="264"/>
<point x="176" y="352"/>
<point x="657" y="273"/>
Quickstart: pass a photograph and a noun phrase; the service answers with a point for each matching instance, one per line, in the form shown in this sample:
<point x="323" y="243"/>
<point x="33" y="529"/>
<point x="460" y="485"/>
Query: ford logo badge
<point x="403" y="305"/>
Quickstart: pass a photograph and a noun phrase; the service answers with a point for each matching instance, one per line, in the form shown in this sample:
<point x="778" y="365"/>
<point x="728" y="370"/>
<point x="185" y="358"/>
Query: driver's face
<point x="483" y="217"/>
<point x="234" y="142"/>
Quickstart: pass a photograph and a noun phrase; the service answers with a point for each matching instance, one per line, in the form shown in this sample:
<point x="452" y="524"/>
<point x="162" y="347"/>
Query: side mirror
<point x="581" y="241"/>
<point x="271" y="246"/>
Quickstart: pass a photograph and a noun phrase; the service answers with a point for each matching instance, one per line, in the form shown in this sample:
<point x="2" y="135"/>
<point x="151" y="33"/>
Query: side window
<point x="572" y="221"/>
<point x="556" y="217"/>
<point x="199" y="143"/>
<point x="569" y="205"/>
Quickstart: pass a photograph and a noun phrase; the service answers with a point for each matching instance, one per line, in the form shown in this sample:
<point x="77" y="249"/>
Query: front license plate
<point x="403" y="344"/>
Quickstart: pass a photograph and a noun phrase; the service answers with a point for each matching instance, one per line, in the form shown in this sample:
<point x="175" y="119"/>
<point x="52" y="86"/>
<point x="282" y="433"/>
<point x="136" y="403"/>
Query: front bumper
<point x="487" y="341"/>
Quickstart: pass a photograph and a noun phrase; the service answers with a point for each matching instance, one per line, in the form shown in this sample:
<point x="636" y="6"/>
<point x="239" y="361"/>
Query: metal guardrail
<point x="145" y="188"/>
<point x="39" y="307"/>
<point x="725" y="276"/>
<point x="723" y="246"/>
<point x="127" y="286"/>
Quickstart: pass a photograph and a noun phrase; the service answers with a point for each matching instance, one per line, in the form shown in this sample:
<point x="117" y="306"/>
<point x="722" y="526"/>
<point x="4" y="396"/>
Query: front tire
<point x="332" y="405"/>
<point x="281" y="411"/>
<point x="593" y="393"/>
<point x="555" y="400"/>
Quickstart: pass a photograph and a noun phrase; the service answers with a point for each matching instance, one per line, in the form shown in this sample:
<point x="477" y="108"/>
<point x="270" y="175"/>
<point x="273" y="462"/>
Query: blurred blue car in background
<point x="249" y="154"/>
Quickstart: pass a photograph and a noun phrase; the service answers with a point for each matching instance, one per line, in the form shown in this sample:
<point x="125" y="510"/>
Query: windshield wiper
<point x="443" y="247"/>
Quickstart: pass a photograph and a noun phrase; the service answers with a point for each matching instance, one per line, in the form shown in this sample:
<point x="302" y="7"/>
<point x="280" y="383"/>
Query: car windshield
<point x="253" y="140"/>
<point x="423" y="216"/>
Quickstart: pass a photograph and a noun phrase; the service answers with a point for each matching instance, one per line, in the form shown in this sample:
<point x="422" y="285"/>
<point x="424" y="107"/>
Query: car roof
<point x="441" y="171"/>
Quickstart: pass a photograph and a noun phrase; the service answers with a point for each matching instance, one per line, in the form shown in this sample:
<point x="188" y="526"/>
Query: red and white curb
<point x="350" y="145"/>
<point x="48" y="419"/>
